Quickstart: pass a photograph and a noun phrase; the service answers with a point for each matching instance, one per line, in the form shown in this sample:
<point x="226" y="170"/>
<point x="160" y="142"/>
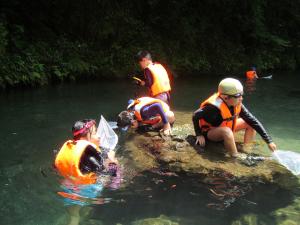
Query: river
<point x="36" y="122"/>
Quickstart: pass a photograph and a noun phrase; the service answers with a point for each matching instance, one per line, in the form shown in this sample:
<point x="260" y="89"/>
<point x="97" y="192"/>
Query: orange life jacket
<point x="161" y="82"/>
<point x="229" y="120"/>
<point x="251" y="74"/>
<point x="143" y="101"/>
<point x="68" y="159"/>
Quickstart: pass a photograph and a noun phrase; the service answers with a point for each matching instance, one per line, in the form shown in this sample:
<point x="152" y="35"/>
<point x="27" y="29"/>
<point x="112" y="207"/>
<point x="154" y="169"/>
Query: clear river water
<point x="35" y="122"/>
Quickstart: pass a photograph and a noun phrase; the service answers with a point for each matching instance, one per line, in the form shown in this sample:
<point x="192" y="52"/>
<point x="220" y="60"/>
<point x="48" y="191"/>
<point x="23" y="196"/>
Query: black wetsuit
<point x="92" y="161"/>
<point x="212" y="115"/>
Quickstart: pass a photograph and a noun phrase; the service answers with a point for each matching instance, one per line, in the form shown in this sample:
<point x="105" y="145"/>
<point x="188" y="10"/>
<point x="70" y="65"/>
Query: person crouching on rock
<point x="222" y="114"/>
<point x="147" y="111"/>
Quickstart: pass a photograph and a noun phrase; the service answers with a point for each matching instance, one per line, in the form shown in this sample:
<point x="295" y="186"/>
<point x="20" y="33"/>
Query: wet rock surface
<point x="226" y="179"/>
<point x="179" y="155"/>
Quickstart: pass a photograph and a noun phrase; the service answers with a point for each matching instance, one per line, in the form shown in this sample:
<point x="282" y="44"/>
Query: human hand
<point x="200" y="140"/>
<point x="167" y="130"/>
<point x="272" y="146"/>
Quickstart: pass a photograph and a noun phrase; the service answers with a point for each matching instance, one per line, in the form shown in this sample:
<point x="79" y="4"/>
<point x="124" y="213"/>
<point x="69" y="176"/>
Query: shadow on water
<point x="186" y="199"/>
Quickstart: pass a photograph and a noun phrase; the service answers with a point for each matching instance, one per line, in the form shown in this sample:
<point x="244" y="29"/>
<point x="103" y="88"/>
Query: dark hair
<point x="143" y="54"/>
<point x="81" y="125"/>
<point x="124" y="119"/>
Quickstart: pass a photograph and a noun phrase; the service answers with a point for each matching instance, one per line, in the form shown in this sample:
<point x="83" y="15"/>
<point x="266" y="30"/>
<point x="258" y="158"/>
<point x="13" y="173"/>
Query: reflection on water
<point x="81" y="194"/>
<point x="74" y="194"/>
<point x="250" y="86"/>
<point x="35" y="122"/>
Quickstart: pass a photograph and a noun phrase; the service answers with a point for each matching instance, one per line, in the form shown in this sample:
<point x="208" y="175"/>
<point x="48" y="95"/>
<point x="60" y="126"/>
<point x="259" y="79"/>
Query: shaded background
<point x="57" y="40"/>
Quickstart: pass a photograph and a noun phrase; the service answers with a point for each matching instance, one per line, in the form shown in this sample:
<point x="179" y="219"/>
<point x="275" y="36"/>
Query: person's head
<point x="143" y="58"/>
<point x="126" y="119"/>
<point x="84" y="130"/>
<point x="253" y="68"/>
<point x="231" y="90"/>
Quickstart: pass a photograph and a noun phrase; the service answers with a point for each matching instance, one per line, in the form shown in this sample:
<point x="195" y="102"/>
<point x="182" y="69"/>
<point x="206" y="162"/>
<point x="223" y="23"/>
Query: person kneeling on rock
<point x="147" y="112"/>
<point x="222" y="114"/>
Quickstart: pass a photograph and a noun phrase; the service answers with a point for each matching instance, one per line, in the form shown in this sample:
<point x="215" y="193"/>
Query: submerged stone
<point x="161" y="220"/>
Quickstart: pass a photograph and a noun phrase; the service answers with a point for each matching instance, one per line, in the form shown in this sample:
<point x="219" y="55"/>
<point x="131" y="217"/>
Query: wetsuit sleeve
<point x="198" y="114"/>
<point x="148" y="78"/>
<point x="210" y="114"/>
<point x="152" y="110"/>
<point x="91" y="161"/>
<point x="255" y="124"/>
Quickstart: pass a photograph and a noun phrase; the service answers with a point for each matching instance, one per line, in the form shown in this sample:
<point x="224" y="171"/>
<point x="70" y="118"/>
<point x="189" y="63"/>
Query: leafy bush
<point x="54" y="41"/>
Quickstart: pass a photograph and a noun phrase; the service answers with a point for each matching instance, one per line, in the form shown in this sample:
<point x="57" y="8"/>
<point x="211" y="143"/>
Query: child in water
<point x="85" y="167"/>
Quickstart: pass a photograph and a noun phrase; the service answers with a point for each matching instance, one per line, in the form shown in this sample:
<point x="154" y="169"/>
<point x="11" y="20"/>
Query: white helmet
<point x="230" y="86"/>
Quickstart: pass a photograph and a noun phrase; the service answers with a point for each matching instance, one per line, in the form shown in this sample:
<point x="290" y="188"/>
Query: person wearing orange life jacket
<point x="251" y="74"/>
<point x="81" y="162"/>
<point x="222" y="114"/>
<point x="147" y="111"/>
<point x="80" y="159"/>
<point x="156" y="77"/>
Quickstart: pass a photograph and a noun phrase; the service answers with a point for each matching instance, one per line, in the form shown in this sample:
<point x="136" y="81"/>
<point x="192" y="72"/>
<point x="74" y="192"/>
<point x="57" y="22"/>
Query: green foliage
<point x="3" y="39"/>
<point x="45" y="41"/>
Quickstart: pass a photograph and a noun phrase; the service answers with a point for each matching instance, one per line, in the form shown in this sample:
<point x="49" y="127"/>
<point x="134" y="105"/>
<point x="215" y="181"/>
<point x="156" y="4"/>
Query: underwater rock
<point x="250" y="219"/>
<point x="253" y="219"/>
<point x="161" y="220"/>
<point x="290" y="214"/>
<point x="93" y="222"/>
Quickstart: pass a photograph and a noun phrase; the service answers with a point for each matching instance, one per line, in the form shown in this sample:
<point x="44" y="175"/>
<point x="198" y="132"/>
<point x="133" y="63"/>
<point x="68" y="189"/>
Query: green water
<point x="36" y="122"/>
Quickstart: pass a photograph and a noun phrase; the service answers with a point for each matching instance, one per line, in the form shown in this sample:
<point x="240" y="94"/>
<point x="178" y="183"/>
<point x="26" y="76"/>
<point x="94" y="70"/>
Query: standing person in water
<point x="222" y="114"/>
<point x="156" y="78"/>
<point x="251" y="74"/>
<point x="81" y="162"/>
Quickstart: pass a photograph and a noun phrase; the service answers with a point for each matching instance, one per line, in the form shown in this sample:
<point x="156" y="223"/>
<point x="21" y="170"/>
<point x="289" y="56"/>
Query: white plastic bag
<point x="108" y="138"/>
<point x="289" y="159"/>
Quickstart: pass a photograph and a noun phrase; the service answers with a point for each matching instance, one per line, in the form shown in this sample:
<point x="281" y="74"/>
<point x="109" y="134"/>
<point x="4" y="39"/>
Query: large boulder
<point x="152" y="151"/>
<point x="225" y="178"/>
